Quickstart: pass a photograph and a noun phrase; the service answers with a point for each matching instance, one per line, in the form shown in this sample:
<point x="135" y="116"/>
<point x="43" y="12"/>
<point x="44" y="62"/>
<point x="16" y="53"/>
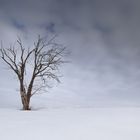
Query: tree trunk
<point x="25" y="101"/>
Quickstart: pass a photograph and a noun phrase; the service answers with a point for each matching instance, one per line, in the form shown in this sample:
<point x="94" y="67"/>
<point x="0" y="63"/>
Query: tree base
<point x="26" y="109"/>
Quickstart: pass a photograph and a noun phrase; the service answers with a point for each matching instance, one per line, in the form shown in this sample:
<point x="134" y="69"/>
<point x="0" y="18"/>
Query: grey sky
<point x="102" y="35"/>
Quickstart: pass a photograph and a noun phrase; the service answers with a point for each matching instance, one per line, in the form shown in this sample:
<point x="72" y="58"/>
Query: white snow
<point x="70" y="124"/>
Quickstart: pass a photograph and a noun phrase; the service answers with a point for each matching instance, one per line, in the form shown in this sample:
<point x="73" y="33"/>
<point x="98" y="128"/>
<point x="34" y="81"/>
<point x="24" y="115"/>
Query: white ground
<point x="70" y="124"/>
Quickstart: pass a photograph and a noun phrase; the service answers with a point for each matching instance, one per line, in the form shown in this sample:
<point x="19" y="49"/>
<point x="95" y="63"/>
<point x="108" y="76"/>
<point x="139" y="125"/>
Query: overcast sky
<point x="103" y="37"/>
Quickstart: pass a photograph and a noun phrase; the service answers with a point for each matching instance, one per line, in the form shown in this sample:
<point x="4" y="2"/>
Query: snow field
<point x="70" y="124"/>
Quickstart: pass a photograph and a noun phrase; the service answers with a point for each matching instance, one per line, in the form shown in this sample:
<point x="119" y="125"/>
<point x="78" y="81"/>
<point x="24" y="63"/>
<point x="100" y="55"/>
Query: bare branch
<point x="45" y="57"/>
<point x="10" y="59"/>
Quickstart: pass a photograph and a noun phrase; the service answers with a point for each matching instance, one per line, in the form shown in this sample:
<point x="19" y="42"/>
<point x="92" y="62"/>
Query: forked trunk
<point x="25" y="101"/>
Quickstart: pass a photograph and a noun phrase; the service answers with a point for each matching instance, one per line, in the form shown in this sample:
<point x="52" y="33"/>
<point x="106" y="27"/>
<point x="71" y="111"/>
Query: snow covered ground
<point x="70" y="124"/>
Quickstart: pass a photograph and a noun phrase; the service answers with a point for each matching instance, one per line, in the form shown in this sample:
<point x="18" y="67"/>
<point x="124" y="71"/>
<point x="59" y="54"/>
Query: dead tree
<point x="44" y="59"/>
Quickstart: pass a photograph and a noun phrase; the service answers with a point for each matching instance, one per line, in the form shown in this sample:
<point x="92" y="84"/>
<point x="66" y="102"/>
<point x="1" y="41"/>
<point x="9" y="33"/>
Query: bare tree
<point x="44" y="59"/>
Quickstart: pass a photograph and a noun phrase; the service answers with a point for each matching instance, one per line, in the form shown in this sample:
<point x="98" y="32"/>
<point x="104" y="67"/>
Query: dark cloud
<point x="103" y="36"/>
<point x="17" y="24"/>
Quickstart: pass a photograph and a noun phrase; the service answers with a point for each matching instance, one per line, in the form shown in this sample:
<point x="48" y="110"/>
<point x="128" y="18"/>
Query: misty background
<point x="103" y="37"/>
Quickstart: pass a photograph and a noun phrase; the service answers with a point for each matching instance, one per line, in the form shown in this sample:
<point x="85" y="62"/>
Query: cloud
<point x="102" y="35"/>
